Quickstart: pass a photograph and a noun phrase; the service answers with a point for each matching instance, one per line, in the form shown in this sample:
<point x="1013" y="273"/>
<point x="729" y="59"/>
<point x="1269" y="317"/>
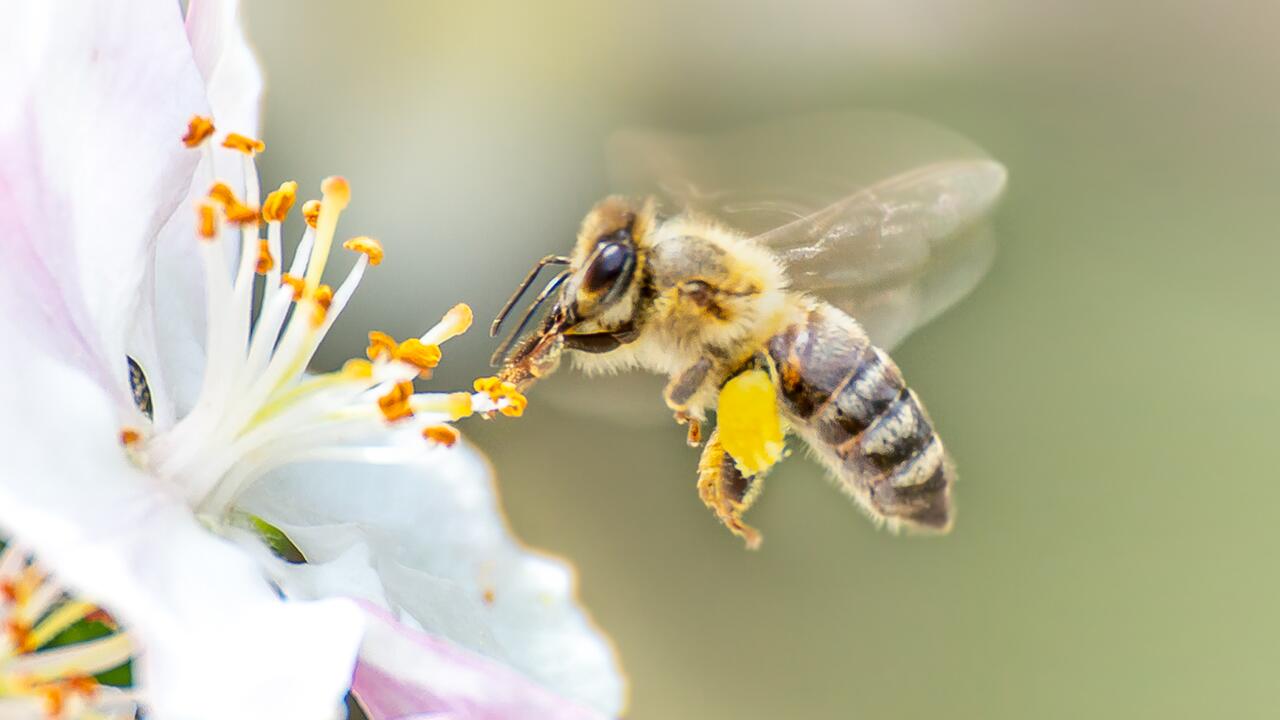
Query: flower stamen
<point x="243" y="143"/>
<point x="395" y="404"/>
<point x="443" y="435"/>
<point x="311" y="212"/>
<point x="279" y="202"/>
<point x="198" y="130"/>
<point x="503" y="394"/>
<point x="295" y="282"/>
<point x="367" y="246"/>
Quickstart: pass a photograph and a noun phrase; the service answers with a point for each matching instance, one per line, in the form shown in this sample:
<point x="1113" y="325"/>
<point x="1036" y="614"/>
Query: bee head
<point x="599" y="287"/>
<point x="606" y="260"/>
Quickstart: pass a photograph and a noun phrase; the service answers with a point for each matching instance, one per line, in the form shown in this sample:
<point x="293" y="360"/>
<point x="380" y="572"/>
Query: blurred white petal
<point x="447" y="561"/>
<point x="404" y="673"/>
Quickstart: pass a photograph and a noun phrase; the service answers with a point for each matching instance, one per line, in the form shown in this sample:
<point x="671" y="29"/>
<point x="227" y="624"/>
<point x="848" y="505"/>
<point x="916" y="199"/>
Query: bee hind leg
<point x="727" y="491"/>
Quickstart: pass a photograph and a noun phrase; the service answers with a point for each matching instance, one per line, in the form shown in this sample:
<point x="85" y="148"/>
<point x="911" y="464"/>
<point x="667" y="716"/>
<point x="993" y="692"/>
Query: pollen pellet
<point x="371" y="248"/>
<point x="243" y="143"/>
<point x="441" y="435"/>
<point x="311" y="212"/>
<point x="198" y="130"/>
<point x="279" y="202"/>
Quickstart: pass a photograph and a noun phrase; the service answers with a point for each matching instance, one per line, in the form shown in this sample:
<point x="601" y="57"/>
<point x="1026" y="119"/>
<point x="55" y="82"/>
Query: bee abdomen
<point x="854" y="407"/>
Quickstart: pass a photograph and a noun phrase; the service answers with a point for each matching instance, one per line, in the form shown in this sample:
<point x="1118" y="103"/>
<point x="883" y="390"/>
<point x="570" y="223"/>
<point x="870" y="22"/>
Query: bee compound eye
<point x="612" y="263"/>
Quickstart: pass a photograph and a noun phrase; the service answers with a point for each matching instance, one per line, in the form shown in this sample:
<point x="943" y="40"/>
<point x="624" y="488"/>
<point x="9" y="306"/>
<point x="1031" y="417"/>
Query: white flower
<point x="103" y="257"/>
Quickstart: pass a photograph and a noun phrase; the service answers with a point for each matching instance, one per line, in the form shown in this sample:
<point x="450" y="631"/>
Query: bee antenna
<point x="500" y="354"/>
<point x="520" y="290"/>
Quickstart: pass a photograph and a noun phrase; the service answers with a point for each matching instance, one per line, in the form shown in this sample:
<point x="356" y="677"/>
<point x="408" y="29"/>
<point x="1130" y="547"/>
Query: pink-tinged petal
<point x="430" y="524"/>
<point x="216" y="641"/>
<point x="95" y="98"/>
<point x="405" y="673"/>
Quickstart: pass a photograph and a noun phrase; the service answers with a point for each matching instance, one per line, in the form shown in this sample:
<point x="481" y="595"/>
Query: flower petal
<point x="405" y="673"/>
<point x="94" y="100"/>
<point x="447" y="560"/>
<point x="176" y="326"/>
<point x="216" y="640"/>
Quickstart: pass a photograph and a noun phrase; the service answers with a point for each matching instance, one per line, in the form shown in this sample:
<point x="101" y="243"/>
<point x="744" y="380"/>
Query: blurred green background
<point x="1109" y="392"/>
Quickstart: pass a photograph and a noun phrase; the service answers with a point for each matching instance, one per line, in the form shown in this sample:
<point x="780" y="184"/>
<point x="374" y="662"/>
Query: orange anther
<point x="415" y="353"/>
<point x="441" y="435"/>
<point x="322" y="298"/>
<point x="240" y="214"/>
<point x="206" y="220"/>
<point x="381" y="346"/>
<point x="371" y="248"/>
<point x="516" y="403"/>
<point x="222" y="194"/>
<point x="499" y="391"/>
<point x="279" y="202"/>
<point x="198" y="130"/>
<point x="129" y="436"/>
<point x="395" y="404"/>
<point x="311" y="212"/>
<point x="294" y="282"/>
<point x="265" y="261"/>
<point x="243" y="143"/>
<point x="488" y="596"/>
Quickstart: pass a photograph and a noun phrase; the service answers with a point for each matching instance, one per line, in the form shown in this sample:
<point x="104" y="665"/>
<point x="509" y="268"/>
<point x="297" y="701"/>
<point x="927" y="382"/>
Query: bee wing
<point x="877" y="213"/>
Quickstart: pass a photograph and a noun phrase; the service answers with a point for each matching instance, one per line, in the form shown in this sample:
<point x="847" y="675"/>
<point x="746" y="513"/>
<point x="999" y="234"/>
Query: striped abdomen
<point x="849" y="401"/>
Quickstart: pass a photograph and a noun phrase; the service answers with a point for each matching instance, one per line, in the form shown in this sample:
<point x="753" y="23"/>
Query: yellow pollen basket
<point x="748" y="422"/>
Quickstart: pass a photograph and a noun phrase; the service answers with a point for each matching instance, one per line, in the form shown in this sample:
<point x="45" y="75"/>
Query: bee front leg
<point x="727" y="491"/>
<point x="683" y="387"/>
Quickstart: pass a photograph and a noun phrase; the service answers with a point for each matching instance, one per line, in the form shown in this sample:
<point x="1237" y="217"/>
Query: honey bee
<point x="756" y="299"/>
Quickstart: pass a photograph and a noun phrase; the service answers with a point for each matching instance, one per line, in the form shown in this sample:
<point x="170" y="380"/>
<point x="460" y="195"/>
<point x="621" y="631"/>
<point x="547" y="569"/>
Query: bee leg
<point x="682" y="387"/>
<point x="727" y="491"/>
<point x="694" y="438"/>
